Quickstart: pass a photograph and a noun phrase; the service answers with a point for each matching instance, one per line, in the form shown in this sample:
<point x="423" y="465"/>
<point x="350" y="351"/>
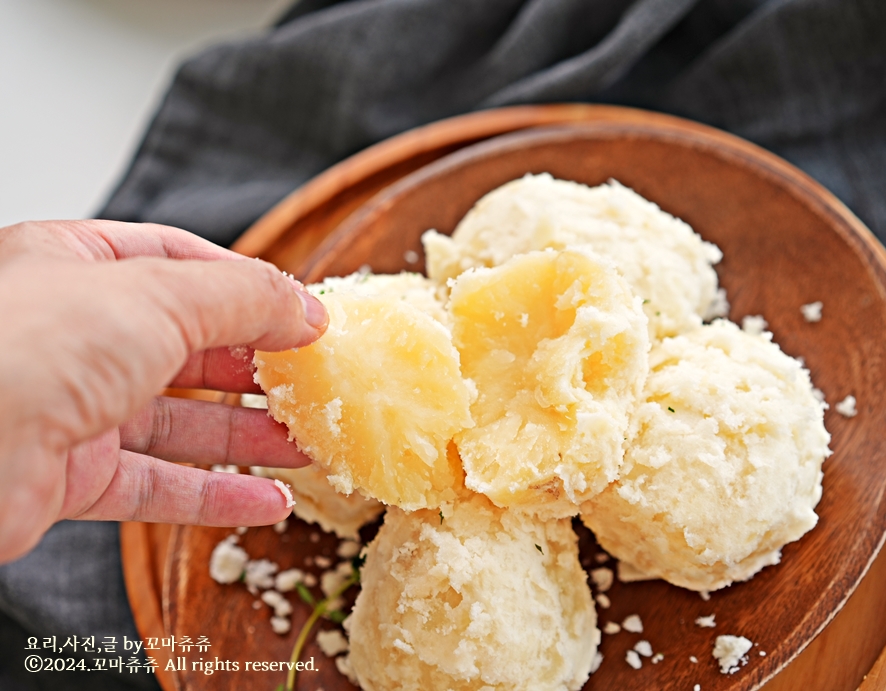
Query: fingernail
<point x="315" y="312"/>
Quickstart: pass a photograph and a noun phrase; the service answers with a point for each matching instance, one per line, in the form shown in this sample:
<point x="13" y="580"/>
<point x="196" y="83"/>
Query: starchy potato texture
<point x="376" y="401"/>
<point x="667" y="264"/>
<point x="317" y="501"/>
<point x="556" y="346"/>
<point x="475" y="599"/>
<point x="723" y="464"/>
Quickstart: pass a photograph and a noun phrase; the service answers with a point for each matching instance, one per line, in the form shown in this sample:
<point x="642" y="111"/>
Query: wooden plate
<point x="787" y="242"/>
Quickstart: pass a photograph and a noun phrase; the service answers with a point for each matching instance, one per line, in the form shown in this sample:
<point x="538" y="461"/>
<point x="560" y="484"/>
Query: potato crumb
<point x="633" y="624"/>
<point x="846" y="407"/>
<point x="287" y="580"/>
<point x="603" y="600"/>
<point x="602" y="578"/>
<point x="644" y="648"/>
<point x="633" y="659"/>
<point x="706" y="622"/>
<point x="323" y="562"/>
<point x="281" y="527"/>
<point x="332" y="642"/>
<point x="228" y="561"/>
<point x="256" y="604"/>
<point x="697" y="687"/>
<point x="259" y="574"/>
<point x="287" y="494"/>
<point x="754" y="324"/>
<point x="812" y="311"/>
<point x="601" y="557"/>
<point x="343" y="665"/>
<point x="241" y="530"/>
<point x="730" y="652"/>
<point x="410" y="257"/>
<point x="704" y="595"/>
<point x="281" y="606"/>
<point x="348" y="549"/>
<point x="693" y="659"/>
<point x="658" y="657"/>
<point x="611" y="627"/>
<point x="280" y="625"/>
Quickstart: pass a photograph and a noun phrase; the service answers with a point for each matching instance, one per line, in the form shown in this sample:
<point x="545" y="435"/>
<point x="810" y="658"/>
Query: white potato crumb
<point x="633" y="624"/>
<point x="286" y="581"/>
<point x="256" y="604"/>
<point x="601" y="557"/>
<point x="228" y="561"/>
<point x="762" y="653"/>
<point x="730" y="652"/>
<point x="280" y="625"/>
<point x="697" y="687"/>
<point x="693" y="659"/>
<point x="332" y="642"/>
<point x="348" y="549"/>
<point x="812" y="311"/>
<point x="287" y="494"/>
<point x="410" y="257"/>
<point x="706" y="622"/>
<point x="272" y="598"/>
<point x="704" y="595"/>
<point x="846" y="407"/>
<point x="241" y="530"/>
<point x="343" y="665"/>
<point x="259" y="574"/>
<point x="633" y="659"/>
<point x="234" y="470"/>
<point x="331" y="581"/>
<point x="596" y="662"/>
<point x="644" y="648"/>
<point x="310" y="580"/>
<point x="602" y="578"/>
<point x="603" y="600"/>
<point x="281" y="527"/>
<point x="658" y="657"/>
<point x="323" y="562"/>
<point x="754" y="324"/>
<point x="611" y="627"/>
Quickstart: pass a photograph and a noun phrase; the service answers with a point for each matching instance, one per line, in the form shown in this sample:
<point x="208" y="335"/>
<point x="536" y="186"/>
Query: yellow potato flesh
<point x="376" y="401"/>
<point x="556" y="345"/>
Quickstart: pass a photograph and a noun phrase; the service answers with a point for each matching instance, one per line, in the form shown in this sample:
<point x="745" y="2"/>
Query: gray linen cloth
<point x="246" y="122"/>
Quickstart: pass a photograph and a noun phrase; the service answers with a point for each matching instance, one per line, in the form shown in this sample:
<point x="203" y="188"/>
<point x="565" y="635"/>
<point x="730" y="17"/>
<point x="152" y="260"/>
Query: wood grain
<point x="787" y="242"/>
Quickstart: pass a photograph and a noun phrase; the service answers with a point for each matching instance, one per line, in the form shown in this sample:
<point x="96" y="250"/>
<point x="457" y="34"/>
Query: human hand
<point x="96" y="318"/>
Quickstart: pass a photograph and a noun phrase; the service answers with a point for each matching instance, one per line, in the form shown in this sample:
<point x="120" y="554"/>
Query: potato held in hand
<point x="376" y="401"/>
<point x="556" y="345"/>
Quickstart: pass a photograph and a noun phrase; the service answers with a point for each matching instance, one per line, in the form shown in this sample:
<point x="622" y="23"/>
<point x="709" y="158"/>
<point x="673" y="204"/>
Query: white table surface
<point x="80" y="80"/>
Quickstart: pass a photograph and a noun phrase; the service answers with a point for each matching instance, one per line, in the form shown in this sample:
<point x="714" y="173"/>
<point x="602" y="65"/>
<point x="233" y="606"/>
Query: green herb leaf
<point x="336" y="616"/>
<point x="305" y="594"/>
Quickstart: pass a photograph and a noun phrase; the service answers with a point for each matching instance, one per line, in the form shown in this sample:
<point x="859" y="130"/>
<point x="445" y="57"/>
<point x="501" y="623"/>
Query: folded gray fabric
<point x="247" y="122"/>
